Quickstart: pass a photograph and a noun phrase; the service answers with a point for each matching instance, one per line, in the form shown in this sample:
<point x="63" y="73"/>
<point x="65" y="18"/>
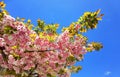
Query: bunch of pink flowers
<point x="41" y="51"/>
<point x="24" y="54"/>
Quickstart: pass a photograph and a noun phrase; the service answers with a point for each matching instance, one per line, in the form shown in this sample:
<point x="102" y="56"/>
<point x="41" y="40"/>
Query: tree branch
<point x="39" y="51"/>
<point x="5" y="57"/>
<point x="31" y="71"/>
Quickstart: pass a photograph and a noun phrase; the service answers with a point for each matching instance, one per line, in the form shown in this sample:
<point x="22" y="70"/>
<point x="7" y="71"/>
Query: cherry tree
<point x="39" y="51"/>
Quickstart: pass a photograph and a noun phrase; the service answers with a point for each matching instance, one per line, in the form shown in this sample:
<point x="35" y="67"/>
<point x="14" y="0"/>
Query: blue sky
<point x="105" y="63"/>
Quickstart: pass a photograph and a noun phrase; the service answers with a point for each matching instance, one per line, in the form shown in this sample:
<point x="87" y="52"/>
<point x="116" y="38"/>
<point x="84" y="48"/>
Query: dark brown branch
<point x="32" y="70"/>
<point x="5" y="57"/>
<point x="39" y="51"/>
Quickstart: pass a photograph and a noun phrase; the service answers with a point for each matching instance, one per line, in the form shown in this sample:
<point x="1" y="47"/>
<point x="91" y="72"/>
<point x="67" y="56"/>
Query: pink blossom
<point x="2" y="42"/>
<point x="24" y="53"/>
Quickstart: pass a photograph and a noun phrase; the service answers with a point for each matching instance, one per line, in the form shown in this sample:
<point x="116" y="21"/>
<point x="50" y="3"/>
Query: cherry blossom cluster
<point x="24" y="52"/>
<point x="29" y="51"/>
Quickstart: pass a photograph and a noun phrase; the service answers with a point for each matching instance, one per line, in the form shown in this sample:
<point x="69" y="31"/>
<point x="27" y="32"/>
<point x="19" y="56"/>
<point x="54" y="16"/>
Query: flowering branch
<point x="25" y="49"/>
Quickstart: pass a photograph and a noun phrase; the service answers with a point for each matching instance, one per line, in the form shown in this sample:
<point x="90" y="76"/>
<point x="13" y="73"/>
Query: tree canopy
<point x="40" y="51"/>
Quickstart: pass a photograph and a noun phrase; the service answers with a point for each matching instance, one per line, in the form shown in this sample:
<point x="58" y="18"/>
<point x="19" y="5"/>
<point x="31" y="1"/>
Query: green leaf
<point x="71" y="58"/>
<point x="97" y="46"/>
<point x="61" y="71"/>
<point x="49" y="75"/>
<point x="9" y="30"/>
<point x="75" y="68"/>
